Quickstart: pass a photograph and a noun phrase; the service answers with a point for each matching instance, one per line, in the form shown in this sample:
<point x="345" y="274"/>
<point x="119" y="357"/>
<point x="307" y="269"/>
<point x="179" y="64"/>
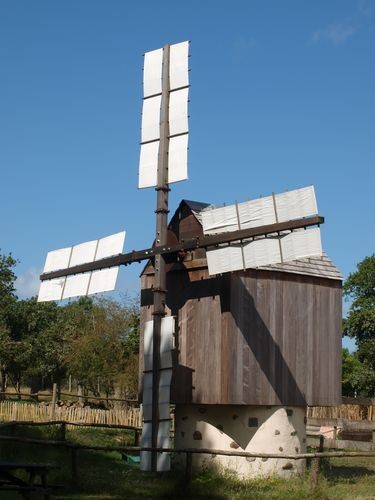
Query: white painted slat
<point x="147" y="345"/>
<point x="147" y="411"/>
<point x="110" y="245"/>
<point x="148" y="165"/>
<point x="224" y="259"/>
<point x="296" y="204"/>
<point x="177" y="164"/>
<point x="76" y="285"/>
<point x="57" y="259"/>
<point x="151" y="119"/>
<point x="220" y="220"/>
<point x="178" y="112"/>
<point x="163" y="459"/>
<point x="164" y="410"/>
<point x="165" y="386"/>
<point x="146" y="442"/>
<point x="103" y="280"/>
<point x="152" y="72"/>
<point x="166" y="341"/>
<point x="145" y="464"/>
<point x="82" y="253"/>
<point x="51" y="289"/>
<point x="255" y="213"/>
<point x="261" y="252"/>
<point x="146" y="432"/>
<point x="303" y="243"/>
<point x="147" y="388"/>
<point x="179" y="65"/>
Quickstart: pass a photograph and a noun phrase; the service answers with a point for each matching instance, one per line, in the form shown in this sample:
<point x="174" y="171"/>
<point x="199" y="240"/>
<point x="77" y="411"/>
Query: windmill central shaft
<point x="161" y="240"/>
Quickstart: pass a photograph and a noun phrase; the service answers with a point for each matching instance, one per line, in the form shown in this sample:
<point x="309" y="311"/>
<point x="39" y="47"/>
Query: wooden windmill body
<point x="252" y="349"/>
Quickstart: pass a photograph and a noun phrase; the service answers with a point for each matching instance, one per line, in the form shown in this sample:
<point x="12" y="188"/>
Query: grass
<point x="105" y="475"/>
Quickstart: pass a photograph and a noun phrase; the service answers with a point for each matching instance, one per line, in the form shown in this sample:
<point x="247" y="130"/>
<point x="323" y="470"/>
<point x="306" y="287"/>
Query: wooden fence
<point x="344" y="411"/>
<point x="132" y="415"/>
<point x="13" y="411"/>
<point x="315" y="457"/>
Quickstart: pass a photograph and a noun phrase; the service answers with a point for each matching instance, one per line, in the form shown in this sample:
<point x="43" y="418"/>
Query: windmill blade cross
<point x="186" y="245"/>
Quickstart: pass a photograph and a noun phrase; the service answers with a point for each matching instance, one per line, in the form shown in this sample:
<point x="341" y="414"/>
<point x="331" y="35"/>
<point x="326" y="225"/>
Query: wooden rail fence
<point x="315" y="456"/>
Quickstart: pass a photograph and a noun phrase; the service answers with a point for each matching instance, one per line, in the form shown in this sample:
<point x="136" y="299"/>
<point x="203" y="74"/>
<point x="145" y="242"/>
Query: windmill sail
<point x="177" y="115"/>
<point x="260" y="251"/>
<point x="101" y="280"/>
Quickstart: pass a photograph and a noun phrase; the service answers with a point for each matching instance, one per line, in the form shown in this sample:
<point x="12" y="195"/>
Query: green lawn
<point x="104" y="475"/>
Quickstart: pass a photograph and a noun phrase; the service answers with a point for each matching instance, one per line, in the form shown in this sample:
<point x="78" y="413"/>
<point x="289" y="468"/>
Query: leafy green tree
<point x="7" y="298"/>
<point x="7" y="282"/>
<point x="357" y="379"/>
<point x="360" y="321"/>
<point x="101" y="339"/>
<point x="31" y="345"/>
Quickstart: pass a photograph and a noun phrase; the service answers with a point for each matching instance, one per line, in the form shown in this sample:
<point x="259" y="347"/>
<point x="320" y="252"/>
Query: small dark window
<point x="253" y="422"/>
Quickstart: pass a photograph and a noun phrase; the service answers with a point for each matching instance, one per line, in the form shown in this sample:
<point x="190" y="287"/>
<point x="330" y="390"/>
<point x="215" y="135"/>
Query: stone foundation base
<point x="262" y="429"/>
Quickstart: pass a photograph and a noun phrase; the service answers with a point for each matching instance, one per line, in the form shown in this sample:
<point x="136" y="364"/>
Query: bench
<point x="9" y="480"/>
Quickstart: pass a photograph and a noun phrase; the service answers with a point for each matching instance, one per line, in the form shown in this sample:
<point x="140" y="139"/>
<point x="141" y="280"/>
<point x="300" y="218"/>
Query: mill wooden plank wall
<point x="275" y="338"/>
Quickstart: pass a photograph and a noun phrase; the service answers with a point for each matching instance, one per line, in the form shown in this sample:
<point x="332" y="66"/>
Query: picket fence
<point x="344" y="411"/>
<point x="132" y="416"/>
<point x="26" y="412"/>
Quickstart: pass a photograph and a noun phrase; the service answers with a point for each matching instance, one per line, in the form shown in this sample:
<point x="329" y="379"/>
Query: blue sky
<point x="282" y="96"/>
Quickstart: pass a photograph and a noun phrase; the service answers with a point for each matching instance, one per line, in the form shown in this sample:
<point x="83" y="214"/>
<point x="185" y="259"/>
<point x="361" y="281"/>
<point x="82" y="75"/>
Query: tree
<point x="7" y="298"/>
<point x="31" y="343"/>
<point x="357" y="379"/>
<point x="7" y="282"/>
<point x="101" y="339"/>
<point x="360" y="321"/>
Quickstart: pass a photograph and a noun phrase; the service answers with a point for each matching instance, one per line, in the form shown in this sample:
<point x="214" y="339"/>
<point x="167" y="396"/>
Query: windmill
<point x="268" y="231"/>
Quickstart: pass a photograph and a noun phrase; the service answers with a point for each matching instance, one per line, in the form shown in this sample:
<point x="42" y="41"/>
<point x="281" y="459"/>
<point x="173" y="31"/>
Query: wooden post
<point x="334" y="435"/>
<point x="189" y="467"/>
<point x="62" y="431"/>
<point x="140" y="416"/>
<point x="53" y="402"/>
<point x="321" y="444"/>
<point x="136" y="437"/>
<point x="80" y="393"/>
<point x="74" y="465"/>
<point x="160" y="278"/>
<point x="315" y="464"/>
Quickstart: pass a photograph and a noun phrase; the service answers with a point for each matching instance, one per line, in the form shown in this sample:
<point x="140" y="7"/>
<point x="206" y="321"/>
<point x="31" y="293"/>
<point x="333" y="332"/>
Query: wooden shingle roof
<point x="318" y="265"/>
